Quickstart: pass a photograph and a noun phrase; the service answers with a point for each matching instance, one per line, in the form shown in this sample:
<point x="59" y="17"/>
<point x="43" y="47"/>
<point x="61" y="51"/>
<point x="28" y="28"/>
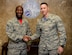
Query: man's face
<point x="44" y="9"/>
<point x="19" y="12"/>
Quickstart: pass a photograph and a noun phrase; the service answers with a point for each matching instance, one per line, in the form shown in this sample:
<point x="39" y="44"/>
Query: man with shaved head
<point x="16" y="28"/>
<point x="51" y="31"/>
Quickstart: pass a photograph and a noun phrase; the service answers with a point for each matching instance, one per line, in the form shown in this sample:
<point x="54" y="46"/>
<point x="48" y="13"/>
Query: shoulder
<point x="54" y="17"/>
<point x="39" y="21"/>
<point x="25" y="20"/>
<point x="11" y="20"/>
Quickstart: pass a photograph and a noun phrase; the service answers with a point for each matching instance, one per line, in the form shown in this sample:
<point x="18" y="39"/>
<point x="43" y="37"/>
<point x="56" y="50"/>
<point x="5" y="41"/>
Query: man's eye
<point x="41" y="8"/>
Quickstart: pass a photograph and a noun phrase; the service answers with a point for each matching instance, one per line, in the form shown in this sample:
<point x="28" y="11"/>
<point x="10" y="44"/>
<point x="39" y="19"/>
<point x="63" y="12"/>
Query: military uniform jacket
<point x="16" y="31"/>
<point x="51" y="32"/>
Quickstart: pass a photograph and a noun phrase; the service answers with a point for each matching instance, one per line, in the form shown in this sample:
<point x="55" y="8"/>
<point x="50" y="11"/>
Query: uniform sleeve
<point x="11" y="33"/>
<point x="29" y="34"/>
<point x="38" y="32"/>
<point x="28" y="30"/>
<point x="61" y="31"/>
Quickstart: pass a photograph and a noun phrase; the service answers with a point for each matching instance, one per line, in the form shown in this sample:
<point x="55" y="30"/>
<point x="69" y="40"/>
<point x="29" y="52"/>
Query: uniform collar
<point x="45" y="19"/>
<point x="17" y="21"/>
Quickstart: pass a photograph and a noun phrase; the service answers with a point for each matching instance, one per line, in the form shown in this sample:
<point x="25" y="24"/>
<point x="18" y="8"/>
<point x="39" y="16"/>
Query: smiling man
<point x="16" y="29"/>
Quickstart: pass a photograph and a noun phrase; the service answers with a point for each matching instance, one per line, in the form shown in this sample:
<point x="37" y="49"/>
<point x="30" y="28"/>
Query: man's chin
<point x="19" y="17"/>
<point x="43" y="13"/>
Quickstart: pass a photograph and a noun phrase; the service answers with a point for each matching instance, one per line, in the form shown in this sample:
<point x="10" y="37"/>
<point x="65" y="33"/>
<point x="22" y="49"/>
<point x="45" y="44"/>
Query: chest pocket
<point x="20" y="29"/>
<point x="49" y="25"/>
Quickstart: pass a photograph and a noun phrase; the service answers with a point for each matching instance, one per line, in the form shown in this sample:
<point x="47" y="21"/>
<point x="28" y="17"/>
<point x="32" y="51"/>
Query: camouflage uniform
<point x="52" y="34"/>
<point x="15" y="32"/>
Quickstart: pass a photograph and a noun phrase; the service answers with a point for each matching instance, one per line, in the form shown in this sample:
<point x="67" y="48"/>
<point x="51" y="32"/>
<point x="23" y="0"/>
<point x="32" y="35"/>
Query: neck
<point x="46" y="15"/>
<point x="19" y="18"/>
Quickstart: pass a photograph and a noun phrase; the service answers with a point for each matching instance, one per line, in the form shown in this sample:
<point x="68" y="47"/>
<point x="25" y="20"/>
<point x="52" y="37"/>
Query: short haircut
<point x="44" y="3"/>
<point x="19" y="6"/>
